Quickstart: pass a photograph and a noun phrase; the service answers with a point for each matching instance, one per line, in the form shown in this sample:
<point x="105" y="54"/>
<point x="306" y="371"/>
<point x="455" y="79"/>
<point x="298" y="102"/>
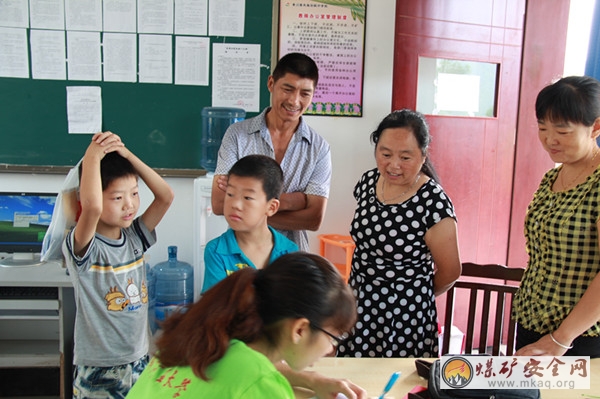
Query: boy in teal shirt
<point x="254" y="185"/>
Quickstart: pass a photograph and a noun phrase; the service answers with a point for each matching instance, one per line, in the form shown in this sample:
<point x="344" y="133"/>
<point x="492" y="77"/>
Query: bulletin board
<point x="161" y="123"/>
<point x="333" y="34"/>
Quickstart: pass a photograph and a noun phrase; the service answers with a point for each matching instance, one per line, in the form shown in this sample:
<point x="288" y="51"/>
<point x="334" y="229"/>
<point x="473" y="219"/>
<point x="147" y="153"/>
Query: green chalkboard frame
<point x="161" y="123"/>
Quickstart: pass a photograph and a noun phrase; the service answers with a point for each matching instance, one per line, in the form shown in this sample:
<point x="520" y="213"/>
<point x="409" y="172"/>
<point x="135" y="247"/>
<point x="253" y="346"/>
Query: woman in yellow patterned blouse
<point x="557" y="306"/>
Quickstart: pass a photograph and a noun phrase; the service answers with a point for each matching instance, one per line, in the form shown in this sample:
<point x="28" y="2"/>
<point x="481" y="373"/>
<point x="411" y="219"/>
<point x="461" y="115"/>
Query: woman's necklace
<point x="386" y="201"/>
<point x="562" y="175"/>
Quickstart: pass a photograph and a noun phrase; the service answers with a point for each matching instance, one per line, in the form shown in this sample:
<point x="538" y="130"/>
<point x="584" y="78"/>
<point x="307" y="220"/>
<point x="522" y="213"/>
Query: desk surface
<point x="47" y="274"/>
<point x="373" y="373"/>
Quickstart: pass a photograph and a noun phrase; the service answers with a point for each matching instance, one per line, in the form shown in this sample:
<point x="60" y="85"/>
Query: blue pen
<point x="390" y="384"/>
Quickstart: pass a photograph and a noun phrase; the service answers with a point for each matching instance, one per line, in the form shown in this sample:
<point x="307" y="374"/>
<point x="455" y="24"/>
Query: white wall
<point x="581" y="14"/>
<point x="352" y="153"/>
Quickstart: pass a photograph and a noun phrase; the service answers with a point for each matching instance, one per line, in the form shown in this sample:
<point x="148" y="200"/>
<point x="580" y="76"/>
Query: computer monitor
<point x="24" y="220"/>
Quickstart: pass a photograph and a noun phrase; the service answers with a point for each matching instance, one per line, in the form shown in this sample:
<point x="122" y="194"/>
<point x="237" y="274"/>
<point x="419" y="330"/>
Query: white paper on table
<point x="155" y="16"/>
<point x="83" y="55"/>
<point x="236" y="76"/>
<point x="84" y="15"/>
<point x="14" y="13"/>
<point x="191" y="17"/>
<point x="48" y="55"/>
<point x="84" y="109"/>
<point x="14" y="60"/>
<point x="156" y="59"/>
<point x="120" y="55"/>
<point x="120" y="16"/>
<point x="191" y="60"/>
<point x="226" y="18"/>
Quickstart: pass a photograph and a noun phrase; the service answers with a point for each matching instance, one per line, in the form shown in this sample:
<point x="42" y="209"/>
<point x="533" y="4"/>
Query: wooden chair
<point x="494" y="304"/>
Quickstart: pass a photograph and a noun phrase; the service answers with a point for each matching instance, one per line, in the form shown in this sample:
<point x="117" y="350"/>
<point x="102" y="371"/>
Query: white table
<point x="373" y="373"/>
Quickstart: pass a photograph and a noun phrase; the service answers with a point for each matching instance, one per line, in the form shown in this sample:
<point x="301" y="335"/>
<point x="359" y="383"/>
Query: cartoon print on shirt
<point x="133" y="292"/>
<point x="116" y="300"/>
<point x="238" y="266"/>
<point x="144" y="292"/>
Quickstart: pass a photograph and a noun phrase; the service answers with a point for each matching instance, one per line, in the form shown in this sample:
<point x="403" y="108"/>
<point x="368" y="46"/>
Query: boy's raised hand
<point x="108" y="142"/>
<point x="90" y="187"/>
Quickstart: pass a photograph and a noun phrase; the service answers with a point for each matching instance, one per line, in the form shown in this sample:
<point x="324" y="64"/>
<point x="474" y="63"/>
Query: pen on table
<point x="390" y="383"/>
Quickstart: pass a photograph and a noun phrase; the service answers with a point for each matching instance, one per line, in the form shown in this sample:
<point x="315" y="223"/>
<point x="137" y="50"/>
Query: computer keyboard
<point x="28" y="293"/>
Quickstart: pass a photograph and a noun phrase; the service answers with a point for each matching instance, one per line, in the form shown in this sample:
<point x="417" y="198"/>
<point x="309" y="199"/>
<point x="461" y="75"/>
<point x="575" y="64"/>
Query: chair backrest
<point x="494" y="304"/>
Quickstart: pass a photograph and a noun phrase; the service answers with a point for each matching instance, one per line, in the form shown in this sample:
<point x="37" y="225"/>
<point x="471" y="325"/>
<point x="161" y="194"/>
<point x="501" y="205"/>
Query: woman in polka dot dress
<point x="403" y="224"/>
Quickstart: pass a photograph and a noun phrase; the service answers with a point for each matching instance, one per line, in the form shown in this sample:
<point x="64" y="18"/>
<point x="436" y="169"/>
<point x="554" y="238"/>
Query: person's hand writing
<point x="328" y="388"/>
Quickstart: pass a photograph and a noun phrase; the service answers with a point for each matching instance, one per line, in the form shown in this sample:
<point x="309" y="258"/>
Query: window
<point x="457" y="88"/>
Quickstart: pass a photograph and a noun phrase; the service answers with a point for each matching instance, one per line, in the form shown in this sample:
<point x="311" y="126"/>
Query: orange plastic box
<point x="338" y="249"/>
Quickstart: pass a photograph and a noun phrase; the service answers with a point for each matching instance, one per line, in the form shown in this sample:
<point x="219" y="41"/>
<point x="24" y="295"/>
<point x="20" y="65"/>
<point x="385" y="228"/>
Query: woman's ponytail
<point x="201" y="335"/>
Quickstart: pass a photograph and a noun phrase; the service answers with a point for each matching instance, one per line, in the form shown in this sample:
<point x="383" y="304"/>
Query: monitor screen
<point x="24" y="219"/>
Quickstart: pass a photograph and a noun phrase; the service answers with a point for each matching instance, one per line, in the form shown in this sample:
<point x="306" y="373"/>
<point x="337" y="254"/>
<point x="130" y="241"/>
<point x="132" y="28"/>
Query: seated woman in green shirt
<point x="227" y="344"/>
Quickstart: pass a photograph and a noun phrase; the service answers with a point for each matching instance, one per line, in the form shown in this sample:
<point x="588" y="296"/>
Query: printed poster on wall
<point x="332" y="32"/>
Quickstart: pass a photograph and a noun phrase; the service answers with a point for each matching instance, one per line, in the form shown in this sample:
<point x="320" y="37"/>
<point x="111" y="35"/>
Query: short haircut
<point x="574" y="99"/>
<point x="113" y="166"/>
<point x="262" y="168"/>
<point x="298" y="64"/>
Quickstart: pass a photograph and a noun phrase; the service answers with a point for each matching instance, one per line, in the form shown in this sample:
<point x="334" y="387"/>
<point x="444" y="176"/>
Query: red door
<point x="489" y="165"/>
<point x="474" y="155"/>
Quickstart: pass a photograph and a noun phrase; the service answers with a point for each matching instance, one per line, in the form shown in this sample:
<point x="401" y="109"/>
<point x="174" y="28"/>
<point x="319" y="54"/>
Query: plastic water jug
<point x="215" y="121"/>
<point x="174" y="286"/>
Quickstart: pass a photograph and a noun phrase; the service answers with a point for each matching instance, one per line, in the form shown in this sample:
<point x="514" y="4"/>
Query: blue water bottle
<point x="174" y="286"/>
<point x="215" y="121"/>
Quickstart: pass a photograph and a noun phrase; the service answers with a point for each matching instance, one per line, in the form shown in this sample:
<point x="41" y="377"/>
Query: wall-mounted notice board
<point x="161" y="123"/>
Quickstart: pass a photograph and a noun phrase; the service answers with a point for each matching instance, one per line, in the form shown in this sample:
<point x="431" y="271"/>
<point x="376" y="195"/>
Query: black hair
<point x="113" y="166"/>
<point x="320" y="294"/>
<point x="263" y="168"/>
<point x="250" y="304"/>
<point x="416" y="123"/>
<point x="297" y="64"/>
<point x="573" y="99"/>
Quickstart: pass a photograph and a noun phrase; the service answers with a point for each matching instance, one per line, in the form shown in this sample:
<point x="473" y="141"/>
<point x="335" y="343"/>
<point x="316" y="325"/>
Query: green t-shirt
<point x="240" y="373"/>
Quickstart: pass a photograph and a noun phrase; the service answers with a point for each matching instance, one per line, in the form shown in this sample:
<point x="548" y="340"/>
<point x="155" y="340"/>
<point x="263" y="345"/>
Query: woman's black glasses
<point x="335" y="340"/>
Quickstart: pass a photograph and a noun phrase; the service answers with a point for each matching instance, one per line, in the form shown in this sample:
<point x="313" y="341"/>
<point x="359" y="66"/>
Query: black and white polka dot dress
<point x="392" y="272"/>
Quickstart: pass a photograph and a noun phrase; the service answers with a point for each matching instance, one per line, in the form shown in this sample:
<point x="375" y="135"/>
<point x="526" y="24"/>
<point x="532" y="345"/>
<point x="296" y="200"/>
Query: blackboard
<point x="161" y="123"/>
